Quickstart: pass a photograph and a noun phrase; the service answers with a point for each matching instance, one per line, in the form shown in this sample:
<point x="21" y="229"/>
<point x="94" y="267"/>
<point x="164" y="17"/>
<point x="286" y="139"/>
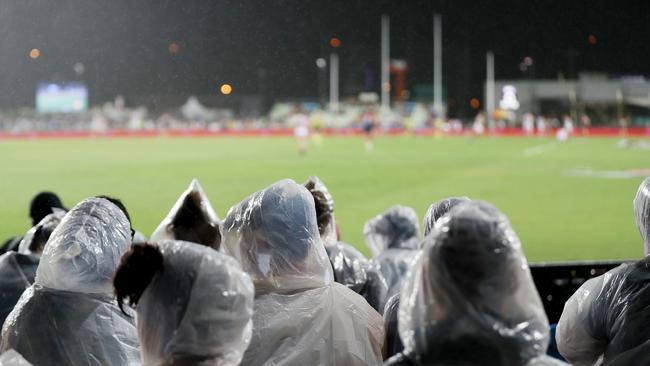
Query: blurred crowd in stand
<point x="194" y="116"/>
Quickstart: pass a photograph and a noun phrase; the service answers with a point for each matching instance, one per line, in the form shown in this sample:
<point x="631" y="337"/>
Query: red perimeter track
<point x="510" y="132"/>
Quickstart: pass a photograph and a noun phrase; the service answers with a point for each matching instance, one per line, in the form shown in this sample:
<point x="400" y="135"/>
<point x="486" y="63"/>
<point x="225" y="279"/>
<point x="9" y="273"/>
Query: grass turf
<point x="558" y="216"/>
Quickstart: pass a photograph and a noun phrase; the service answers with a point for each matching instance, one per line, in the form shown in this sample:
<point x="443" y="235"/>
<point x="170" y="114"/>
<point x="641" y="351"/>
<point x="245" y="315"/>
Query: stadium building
<point x="603" y="99"/>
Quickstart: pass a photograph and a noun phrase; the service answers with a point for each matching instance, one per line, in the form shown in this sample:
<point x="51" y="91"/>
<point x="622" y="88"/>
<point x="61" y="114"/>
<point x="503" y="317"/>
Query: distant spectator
<point x="18" y="269"/>
<point x="43" y="204"/>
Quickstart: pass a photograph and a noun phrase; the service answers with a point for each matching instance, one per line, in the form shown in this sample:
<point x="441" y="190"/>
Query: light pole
<point x="334" y="82"/>
<point x="489" y="86"/>
<point x="321" y="65"/>
<point x="437" y="67"/>
<point x="385" y="62"/>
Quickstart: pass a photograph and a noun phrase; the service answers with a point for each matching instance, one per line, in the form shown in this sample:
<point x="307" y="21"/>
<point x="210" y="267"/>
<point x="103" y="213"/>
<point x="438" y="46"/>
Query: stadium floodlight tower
<point x="489" y="86"/>
<point x="437" y="67"/>
<point x="334" y="82"/>
<point x="385" y="62"/>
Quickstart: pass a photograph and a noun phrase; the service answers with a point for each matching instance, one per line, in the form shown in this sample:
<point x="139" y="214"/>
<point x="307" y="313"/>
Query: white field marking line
<point x="539" y="149"/>
<point x="606" y="174"/>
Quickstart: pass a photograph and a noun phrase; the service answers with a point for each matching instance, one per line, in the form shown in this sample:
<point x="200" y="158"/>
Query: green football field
<point x="566" y="201"/>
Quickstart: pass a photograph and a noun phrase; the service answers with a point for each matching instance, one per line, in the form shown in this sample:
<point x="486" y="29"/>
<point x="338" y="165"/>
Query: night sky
<point x="270" y="46"/>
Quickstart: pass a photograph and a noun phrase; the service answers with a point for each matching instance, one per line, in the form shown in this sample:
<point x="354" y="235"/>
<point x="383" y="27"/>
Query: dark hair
<point x="137" y="268"/>
<point x="323" y="201"/>
<point x="41" y="235"/>
<point x="191" y="223"/>
<point x="42" y="204"/>
<point x="438" y="209"/>
<point x="117" y="202"/>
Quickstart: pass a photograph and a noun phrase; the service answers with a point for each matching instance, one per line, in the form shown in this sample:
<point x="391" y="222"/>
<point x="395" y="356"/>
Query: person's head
<point x="192" y="224"/>
<point x="117" y="202"/>
<point x="191" y="219"/>
<point x="439" y="209"/>
<point x="36" y="238"/>
<point x="397" y="227"/>
<point x="471" y="289"/>
<point x="192" y="302"/>
<point x="642" y="213"/>
<point x="42" y="205"/>
<point x="137" y="268"/>
<point x="324" y="204"/>
<point x="85" y="248"/>
<point x="274" y="235"/>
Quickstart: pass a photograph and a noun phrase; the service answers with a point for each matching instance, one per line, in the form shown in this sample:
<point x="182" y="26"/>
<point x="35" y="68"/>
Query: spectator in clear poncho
<point x="18" y="269"/>
<point x="69" y="317"/>
<point x="470" y="299"/>
<point x="191" y="219"/>
<point x="301" y="316"/>
<point x="351" y="268"/>
<point x="393" y="238"/>
<point x="41" y="205"/>
<point x="393" y="344"/>
<point x="193" y="304"/>
<point x="609" y="314"/>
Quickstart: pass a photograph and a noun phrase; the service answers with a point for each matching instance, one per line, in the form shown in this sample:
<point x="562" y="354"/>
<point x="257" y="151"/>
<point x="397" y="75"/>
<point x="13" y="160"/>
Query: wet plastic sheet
<point x="17" y="272"/>
<point x="394" y="239"/>
<point x="607" y="315"/>
<point x="192" y="219"/>
<point x="396" y="228"/>
<point x="470" y="297"/>
<point x="50" y="327"/>
<point x="199" y="307"/>
<point x="301" y="316"/>
<point x="642" y="213"/>
<point x="69" y="317"/>
<point x="355" y="272"/>
<point x="34" y="240"/>
<point x="13" y="358"/>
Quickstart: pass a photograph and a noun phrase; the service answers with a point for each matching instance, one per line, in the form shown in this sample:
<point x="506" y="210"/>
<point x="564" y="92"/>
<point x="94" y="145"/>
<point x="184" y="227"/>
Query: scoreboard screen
<point x="61" y="98"/>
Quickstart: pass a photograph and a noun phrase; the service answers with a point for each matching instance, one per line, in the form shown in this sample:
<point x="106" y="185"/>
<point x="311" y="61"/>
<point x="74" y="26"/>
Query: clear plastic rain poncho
<point x="69" y="317"/>
<point x="608" y="315"/>
<point x="470" y="298"/>
<point x="192" y="219"/>
<point x="197" y="310"/>
<point x="13" y="358"/>
<point x="393" y="238"/>
<point x="351" y="268"/>
<point x="18" y="269"/>
<point x="637" y="356"/>
<point x="642" y="213"/>
<point x="301" y="316"/>
<point x="434" y="213"/>
<point x="355" y="272"/>
<point x="439" y="209"/>
<point x="34" y="241"/>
